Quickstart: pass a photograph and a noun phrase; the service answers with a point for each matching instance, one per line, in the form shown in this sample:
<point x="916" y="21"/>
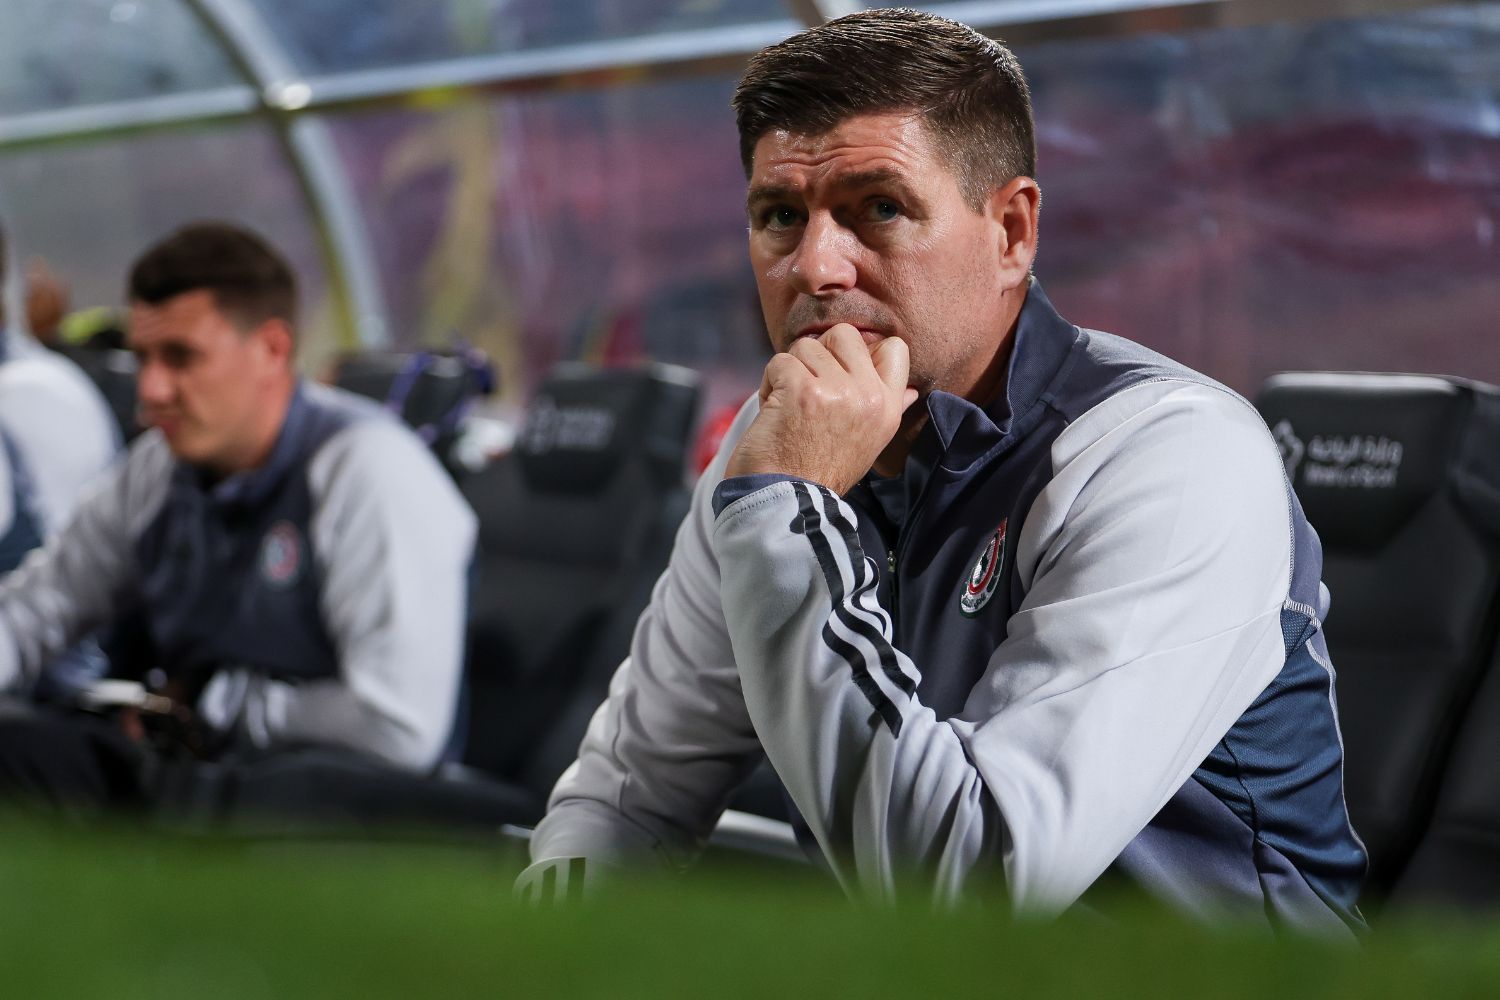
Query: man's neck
<point x="257" y="452"/>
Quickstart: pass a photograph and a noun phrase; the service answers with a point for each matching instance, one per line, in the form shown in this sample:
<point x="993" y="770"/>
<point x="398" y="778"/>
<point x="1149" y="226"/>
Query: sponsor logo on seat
<point x="1290" y="446"/>
<point x="571" y="428"/>
<point x="1340" y="461"/>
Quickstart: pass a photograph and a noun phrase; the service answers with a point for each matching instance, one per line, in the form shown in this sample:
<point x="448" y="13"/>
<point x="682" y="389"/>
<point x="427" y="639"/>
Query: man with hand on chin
<point x="999" y="598"/>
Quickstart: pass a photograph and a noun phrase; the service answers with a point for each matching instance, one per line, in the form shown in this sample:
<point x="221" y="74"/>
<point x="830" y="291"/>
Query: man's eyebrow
<point x="874" y="177"/>
<point x="767" y="193"/>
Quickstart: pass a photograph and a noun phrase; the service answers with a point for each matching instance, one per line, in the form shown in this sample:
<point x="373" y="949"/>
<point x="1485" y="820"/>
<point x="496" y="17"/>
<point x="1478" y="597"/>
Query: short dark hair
<point x="250" y="282"/>
<point x="968" y="89"/>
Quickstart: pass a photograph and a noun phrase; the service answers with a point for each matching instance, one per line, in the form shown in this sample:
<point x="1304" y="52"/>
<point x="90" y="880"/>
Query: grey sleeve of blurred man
<point x="393" y="540"/>
<point x="674" y="738"/>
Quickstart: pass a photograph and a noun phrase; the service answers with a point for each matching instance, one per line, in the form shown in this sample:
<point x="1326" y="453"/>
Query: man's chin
<point x="182" y="446"/>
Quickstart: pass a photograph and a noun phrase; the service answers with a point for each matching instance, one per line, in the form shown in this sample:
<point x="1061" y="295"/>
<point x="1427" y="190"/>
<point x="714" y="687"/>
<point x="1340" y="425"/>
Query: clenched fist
<point x="828" y="407"/>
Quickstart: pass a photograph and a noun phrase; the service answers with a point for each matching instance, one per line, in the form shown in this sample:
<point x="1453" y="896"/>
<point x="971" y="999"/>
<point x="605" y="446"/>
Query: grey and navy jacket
<point x="1080" y="634"/>
<point x="317" y="599"/>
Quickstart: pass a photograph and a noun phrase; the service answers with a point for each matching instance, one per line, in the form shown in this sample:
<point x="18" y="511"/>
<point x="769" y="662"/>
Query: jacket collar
<point x="967" y="431"/>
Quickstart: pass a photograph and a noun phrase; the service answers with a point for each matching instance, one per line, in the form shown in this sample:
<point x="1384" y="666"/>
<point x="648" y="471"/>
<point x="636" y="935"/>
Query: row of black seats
<point x="1400" y="475"/>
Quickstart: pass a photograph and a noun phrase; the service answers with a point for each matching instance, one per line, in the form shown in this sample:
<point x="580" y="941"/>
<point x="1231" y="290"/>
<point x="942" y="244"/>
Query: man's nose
<point x="153" y="386"/>
<point x="823" y="263"/>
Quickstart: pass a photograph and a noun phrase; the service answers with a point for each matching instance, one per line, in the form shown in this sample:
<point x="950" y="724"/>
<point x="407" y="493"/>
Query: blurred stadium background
<point x="1247" y="185"/>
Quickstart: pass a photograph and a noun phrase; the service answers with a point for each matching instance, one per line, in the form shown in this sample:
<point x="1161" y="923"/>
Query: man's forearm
<point x="884" y="785"/>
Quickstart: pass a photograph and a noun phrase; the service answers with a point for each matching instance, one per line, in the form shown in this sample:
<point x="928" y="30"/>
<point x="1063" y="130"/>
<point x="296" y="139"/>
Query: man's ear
<point x="276" y="338"/>
<point x="1015" y="207"/>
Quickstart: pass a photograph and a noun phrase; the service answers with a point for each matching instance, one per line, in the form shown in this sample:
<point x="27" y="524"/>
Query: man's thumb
<point x="892" y="361"/>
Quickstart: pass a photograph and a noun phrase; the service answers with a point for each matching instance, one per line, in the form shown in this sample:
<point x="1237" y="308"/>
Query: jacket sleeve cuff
<point x="738" y="487"/>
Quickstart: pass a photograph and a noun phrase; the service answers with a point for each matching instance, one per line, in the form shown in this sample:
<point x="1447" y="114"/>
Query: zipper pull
<point x="890" y="564"/>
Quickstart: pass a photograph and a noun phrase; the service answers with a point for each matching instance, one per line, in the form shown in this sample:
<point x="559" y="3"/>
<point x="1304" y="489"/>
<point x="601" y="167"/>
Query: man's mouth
<point x="168" y="425"/>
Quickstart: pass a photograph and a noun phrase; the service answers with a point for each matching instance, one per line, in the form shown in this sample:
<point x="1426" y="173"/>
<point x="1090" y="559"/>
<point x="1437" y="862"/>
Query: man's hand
<point x="828" y="407"/>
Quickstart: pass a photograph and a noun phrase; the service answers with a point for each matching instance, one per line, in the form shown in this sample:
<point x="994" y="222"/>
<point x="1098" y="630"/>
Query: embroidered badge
<point x="281" y="554"/>
<point x="986" y="574"/>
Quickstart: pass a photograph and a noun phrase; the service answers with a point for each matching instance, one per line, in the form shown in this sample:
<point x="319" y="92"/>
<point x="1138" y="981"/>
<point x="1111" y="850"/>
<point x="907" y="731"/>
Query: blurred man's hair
<point x="250" y="282"/>
<point x="968" y="89"/>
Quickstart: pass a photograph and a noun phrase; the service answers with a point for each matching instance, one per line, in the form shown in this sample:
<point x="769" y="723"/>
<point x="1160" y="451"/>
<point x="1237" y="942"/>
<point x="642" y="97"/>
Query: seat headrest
<point x="583" y="423"/>
<point x="1365" y="451"/>
<point x="428" y="390"/>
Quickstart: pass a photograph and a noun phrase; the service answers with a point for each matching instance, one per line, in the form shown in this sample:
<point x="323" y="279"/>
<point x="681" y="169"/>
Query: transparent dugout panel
<point x="606" y="225"/>
<point x="1289" y="197"/>
<point x="331" y="36"/>
<point x="58" y="54"/>
<point x="90" y="209"/>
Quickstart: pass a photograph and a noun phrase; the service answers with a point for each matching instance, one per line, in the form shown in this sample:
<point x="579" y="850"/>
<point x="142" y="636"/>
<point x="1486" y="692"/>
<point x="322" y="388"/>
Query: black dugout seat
<point x="1397" y="474"/>
<point x="1457" y="861"/>
<point x="575" y="525"/>
<point x="431" y="391"/>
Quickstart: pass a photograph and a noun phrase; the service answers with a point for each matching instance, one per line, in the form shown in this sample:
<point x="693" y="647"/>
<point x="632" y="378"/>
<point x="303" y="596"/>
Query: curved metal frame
<point x="359" y="301"/>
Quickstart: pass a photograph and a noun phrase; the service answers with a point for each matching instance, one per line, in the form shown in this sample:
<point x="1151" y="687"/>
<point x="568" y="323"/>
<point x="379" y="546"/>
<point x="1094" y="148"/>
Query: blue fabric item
<point x="24" y="532"/>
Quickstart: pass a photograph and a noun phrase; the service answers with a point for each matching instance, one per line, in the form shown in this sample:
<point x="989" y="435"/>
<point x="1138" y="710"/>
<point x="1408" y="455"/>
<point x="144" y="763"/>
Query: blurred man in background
<point x="56" y="432"/>
<point x="296" y="556"/>
<point x="1001" y="599"/>
<point x="56" y="436"/>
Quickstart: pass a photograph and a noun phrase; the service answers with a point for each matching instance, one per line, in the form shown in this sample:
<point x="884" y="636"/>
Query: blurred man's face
<point x="866" y="224"/>
<point x="216" y="391"/>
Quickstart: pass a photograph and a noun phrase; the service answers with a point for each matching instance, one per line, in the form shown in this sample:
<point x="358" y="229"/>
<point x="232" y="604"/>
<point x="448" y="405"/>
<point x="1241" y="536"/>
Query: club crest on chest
<point x="985" y="576"/>
<point x="281" y="555"/>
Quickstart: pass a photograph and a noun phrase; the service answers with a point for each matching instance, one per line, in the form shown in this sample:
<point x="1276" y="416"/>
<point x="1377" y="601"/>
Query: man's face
<point x="866" y="224"/>
<point x="209" y="385"/>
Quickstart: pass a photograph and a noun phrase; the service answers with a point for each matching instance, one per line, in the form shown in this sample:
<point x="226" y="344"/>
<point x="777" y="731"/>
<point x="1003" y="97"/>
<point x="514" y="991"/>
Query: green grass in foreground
<point x="119" y="916"/>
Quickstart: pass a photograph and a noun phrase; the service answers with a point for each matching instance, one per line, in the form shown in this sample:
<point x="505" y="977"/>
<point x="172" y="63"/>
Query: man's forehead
<point x="182" y="315"/>
<point x="890" y="141"/>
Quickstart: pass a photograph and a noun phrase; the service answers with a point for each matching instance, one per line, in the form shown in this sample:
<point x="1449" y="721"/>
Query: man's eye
<point x="779" y="218"/>
<point x="882" y="210"/>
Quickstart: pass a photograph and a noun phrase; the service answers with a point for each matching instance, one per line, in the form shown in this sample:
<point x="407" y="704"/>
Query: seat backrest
<point x="430" y="391"/>
<point x="1391" y="471"/>
<point x="575" y="525"/>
